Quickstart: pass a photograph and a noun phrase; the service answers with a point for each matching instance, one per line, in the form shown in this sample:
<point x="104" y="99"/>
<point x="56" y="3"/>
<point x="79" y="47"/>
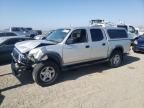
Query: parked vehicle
<point x="17" y="30"/>
<point x="69" y="47"/>
<point x="43" y="36"/>
<point x="28" y="32"/>
<point x="7" y="45"/>
<point x="133" y="33"/>
<point x="32" y="33"/>
<point x="5" y="34"/>
<point x="39" y="32"/>
<point x="138" y="45"/>
<point x="101" y="23"/>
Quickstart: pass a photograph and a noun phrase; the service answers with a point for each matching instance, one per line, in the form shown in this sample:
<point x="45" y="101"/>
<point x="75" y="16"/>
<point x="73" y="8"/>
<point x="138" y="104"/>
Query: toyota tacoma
<point x="69" y="47"/>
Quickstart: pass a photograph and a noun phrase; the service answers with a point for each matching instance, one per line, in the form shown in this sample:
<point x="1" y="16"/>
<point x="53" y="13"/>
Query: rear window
<point x="123" y="26"/>
<point x="114" y="34"/>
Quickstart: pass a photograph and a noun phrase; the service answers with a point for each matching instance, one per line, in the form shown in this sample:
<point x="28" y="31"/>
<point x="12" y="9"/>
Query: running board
<point x="79" y="65"/>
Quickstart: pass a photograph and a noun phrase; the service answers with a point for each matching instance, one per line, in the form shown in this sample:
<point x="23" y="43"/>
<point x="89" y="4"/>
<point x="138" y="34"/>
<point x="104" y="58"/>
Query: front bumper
<point x="18" y="69"/>
<point x="18" y="66"/>
<point x="138" y="48"/>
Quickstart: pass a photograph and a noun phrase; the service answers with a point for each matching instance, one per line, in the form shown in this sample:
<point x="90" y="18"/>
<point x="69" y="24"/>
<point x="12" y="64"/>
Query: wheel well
<point x="53" y="58"/>
<point x="117" y="49"/>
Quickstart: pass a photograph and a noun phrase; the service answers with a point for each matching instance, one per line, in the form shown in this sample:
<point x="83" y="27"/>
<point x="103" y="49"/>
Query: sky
<point x="44" y="14"/>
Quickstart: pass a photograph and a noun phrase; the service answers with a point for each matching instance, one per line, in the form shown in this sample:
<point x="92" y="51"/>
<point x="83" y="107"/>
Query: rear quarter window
<point x="115" y="34"/>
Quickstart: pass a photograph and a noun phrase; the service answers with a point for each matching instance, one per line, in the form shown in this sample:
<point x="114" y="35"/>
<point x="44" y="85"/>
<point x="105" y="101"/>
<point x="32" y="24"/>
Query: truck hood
<point x="26" y="46"/>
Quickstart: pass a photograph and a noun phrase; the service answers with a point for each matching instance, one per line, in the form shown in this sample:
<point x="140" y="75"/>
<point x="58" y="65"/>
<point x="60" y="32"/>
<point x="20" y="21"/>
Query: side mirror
<point x="73" y="38"/>
<point x="70" y="41"/>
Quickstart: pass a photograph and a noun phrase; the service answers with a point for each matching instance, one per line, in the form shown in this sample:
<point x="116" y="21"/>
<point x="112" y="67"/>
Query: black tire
<point x="38" y="70"/>
<point x="119" y="54"/>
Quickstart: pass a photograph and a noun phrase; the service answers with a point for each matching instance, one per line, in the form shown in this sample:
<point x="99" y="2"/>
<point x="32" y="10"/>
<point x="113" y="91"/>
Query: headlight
<point x="31" y="57"/>
<point x="22" y="58"/>
<point x="135" y="42"/>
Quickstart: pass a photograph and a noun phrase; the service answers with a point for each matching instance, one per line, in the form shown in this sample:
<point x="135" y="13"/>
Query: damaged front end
<point x="20" y="63"/>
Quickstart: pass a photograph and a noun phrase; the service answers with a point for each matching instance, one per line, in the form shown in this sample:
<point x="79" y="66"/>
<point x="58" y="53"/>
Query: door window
<point x="96" y="35"/>
<point x="132" y="29"/>
<point x="78" y="36"/>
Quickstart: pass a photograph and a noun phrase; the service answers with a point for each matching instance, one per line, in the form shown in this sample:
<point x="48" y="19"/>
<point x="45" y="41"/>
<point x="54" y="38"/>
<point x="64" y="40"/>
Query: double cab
<point x="69" y="47"/>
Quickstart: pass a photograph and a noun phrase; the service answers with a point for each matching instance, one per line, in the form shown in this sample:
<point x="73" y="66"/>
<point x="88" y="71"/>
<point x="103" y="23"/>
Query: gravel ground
<point x="96" y="86"/>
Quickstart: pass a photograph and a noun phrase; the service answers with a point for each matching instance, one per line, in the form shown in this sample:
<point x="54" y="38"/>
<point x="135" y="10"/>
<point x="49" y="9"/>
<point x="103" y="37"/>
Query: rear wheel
<point x="116" y="59"/>
<point x="46" y="73"/>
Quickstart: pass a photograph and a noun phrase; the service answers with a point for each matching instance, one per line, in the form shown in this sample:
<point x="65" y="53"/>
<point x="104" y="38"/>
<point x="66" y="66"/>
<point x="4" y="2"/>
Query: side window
<point x="79" y="36"/>
<point x="10" y="34"/>
<point x="96" y="35"/>
<point x="114" y="33"/>
<point x="132" y="29"/>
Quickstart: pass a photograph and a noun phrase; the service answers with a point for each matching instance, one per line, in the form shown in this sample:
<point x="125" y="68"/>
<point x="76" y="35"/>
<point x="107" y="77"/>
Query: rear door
<point x="99" y="44"/>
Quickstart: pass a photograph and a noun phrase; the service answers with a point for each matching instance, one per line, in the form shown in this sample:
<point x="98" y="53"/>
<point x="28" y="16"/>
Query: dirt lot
<point x="96" y="86"/>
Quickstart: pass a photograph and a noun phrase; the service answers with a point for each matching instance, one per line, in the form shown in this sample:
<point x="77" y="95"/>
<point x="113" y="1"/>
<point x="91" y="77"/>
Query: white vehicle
<point x="133" y="33"/>
<point x="69" y="47"/>
<point x="101" y="23"/>
<point x="43" y="36"/>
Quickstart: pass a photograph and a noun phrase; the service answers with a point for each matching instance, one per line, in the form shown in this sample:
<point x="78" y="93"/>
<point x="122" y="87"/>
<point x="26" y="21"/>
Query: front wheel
<point x="116" y="59"/>
<point x="46" y="73"/>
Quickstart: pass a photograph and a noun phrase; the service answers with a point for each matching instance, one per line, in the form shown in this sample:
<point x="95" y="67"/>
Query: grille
<point x="18" y="56"/>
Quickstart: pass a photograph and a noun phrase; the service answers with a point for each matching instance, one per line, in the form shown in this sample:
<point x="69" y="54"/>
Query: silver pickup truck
<point x="69" y="47"/>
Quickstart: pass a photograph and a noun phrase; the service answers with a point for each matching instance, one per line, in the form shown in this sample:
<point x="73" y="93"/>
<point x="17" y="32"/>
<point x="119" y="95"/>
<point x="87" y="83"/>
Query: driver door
<point x="76" y="49"/>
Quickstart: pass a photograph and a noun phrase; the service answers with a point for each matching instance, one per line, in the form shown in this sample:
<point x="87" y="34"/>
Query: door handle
<point x="87" y="46"/>
<point x="103" y="44"/>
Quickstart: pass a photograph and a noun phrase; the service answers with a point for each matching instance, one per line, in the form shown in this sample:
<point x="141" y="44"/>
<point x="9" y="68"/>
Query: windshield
<point x="47" y="33"/>
<point x="58" y="35"/>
